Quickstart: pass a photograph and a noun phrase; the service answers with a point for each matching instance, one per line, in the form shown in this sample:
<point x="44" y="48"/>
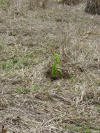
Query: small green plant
<point x="56" y="66"/>
<point x="20" y="91"/>
<point x="57" y="58"/>
<point x="3" y="2"/>
<point x="54" y="70"/>
<point x="26" y="91"/>
<point x="36" y="88"/>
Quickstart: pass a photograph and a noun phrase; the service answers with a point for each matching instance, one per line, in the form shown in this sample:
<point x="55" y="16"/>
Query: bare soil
<point x="30" y="33"/>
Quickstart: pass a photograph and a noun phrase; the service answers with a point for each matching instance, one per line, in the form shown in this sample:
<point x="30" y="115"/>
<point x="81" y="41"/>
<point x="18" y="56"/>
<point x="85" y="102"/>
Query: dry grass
<point x="29" y="35"/>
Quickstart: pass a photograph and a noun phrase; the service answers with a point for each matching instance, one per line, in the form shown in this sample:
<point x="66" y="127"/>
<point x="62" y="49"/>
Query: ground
<point x="30" y="33"/>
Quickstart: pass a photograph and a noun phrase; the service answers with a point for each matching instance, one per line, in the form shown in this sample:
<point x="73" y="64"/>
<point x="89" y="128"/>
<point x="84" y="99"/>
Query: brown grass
<point x="29" y="35"/>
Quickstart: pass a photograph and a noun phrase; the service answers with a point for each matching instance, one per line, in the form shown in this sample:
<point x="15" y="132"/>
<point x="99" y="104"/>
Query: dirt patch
<point x="63" y="74"/>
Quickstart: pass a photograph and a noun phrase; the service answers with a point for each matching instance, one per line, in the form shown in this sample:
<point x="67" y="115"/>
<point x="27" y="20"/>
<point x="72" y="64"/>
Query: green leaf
<point x="57" y="58"/>
<point x="54" y="70"/>
<point x="60" y="71"/>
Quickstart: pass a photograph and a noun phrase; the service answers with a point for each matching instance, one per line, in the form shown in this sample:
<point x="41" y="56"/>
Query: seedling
<point x="56" y="66"/>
